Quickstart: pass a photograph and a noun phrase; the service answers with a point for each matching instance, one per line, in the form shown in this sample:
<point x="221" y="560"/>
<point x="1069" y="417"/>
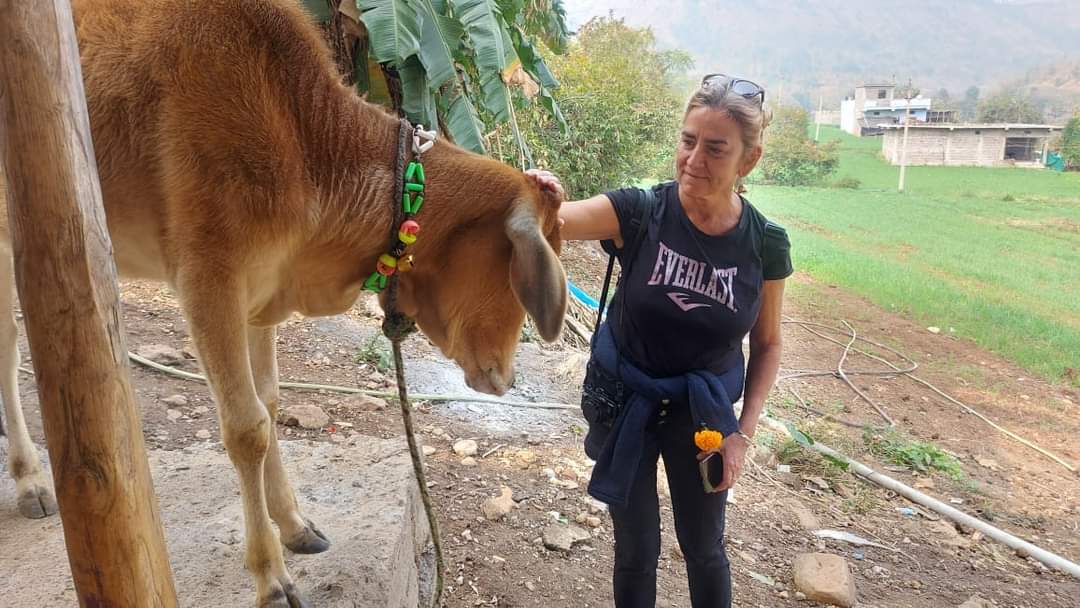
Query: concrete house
<point x="984" y="145"/>
<point x="875" y="106"/>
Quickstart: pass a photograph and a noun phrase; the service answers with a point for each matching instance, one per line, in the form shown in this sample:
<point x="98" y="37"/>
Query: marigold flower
<point x="708" y="440"/>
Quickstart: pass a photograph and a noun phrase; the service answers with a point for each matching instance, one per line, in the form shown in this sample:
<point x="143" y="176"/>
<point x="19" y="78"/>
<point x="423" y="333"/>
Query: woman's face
<point x="711" y="155"/>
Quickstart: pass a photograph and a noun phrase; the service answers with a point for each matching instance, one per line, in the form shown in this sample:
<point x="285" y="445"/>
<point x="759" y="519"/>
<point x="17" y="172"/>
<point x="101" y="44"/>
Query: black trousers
<point x="699" y="522"/>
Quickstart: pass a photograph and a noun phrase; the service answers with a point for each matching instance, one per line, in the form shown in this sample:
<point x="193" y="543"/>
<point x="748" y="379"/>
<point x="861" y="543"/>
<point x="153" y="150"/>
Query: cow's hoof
<point x="311" y="540"/>
<point x="284" y="597"/>
<point x="37" y="502"/>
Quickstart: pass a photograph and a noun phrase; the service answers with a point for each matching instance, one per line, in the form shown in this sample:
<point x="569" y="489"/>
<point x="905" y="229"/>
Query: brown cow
<point x="235" y="166"/>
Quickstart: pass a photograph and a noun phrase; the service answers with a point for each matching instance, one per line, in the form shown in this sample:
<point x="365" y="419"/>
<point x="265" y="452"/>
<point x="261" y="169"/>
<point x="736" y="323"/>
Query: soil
<point x="537" y="454"/>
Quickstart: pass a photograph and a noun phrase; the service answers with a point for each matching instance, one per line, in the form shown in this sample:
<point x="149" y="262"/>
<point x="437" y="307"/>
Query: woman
<point x="707" y="269"/>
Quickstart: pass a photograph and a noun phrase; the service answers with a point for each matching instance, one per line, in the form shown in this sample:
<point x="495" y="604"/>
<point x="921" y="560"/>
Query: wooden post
<point x="67" y="286"/>
<point x="903" y="146"/>
<point x="820" y="107"/>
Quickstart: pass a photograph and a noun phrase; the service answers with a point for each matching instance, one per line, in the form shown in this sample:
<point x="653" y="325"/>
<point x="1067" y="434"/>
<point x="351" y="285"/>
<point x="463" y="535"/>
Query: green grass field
<point x="992" y="253"/>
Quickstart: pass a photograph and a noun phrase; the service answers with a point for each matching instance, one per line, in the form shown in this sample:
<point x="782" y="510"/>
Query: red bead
<point x="410" y="227"/>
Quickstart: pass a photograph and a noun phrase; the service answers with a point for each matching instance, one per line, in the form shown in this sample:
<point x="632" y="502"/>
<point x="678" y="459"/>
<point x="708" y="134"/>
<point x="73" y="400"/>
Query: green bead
<point x="411" y="171"/>
<point x="419" y="200"/>
<point x="419" y="173"/>
<point x="406" y="202"/>
<point x="414" y="187"/>
<point x="376" y="282"/>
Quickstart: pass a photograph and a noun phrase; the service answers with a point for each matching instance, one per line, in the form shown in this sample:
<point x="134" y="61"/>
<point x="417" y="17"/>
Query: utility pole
<point x="820" y="107"/>
<point x="903" y="145"/>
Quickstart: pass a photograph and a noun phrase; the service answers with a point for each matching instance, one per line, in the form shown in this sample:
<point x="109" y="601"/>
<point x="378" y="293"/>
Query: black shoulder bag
<point x="603" y="393"/>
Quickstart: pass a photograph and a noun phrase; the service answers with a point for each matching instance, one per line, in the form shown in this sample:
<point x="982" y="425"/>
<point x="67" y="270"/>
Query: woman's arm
<point x="765" y="348"/>
<point x="592" y="219"/>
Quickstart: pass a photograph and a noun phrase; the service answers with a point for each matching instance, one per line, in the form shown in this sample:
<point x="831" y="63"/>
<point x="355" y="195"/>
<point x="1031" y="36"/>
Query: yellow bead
<point x="406" y="238"/>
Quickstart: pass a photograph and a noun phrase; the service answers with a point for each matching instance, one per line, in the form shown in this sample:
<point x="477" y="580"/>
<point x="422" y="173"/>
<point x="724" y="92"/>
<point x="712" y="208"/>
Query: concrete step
<point x="362" y="494"/>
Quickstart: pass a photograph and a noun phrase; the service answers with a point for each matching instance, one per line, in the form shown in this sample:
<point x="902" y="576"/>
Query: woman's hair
<point x="750" y="115"/>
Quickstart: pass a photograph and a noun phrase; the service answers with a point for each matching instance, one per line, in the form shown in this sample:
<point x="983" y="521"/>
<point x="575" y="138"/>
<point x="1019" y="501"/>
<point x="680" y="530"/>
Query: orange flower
<point x="708" y="440"/>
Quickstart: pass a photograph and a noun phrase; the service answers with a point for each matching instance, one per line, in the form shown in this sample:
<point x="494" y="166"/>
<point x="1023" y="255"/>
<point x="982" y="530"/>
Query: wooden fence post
<point x="67" y="286"/>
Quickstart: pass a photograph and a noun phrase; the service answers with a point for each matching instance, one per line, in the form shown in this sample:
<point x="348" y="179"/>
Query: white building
<point x="875" y="106"/>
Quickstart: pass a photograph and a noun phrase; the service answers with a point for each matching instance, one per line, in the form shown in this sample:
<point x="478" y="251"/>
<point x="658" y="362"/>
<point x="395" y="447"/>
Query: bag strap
<point x="643" y="212"/>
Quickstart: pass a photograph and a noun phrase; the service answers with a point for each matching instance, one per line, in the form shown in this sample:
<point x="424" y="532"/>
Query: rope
<point x="397" y="326"/>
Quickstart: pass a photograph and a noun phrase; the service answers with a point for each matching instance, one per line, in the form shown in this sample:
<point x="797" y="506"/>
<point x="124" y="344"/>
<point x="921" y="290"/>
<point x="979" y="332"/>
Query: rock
<point x="800" y="596"/>
<point x="977" y="602"/>
<point x="173" y="415"/>
<point x="468" y="461"/>
<point x="365" y="403"/>
<point x="175" y="400"/>
<point x="746" y="557"/>
<point x="784" y="595"/>
<point x="825" y="578"/>
<point x="558" y="537"/>
<point x="581" y="517"/>
<point x="526" y="457"/>
<point x="203" y="434"/>
<point x="593" y="521"/>
<point x="202" y="409"/>
<point x="934" y="330"/>
<point x="807" y="520"/>
<point x="497" y="507"/>
<point x="428" y="450"/>
<point x="466" y="447"/>
<point x="945" y="533"/>
<point x="763" y="456"/>
<point x="161" y="353"/>
<point x="923" y="483"/>
<point x="305" y="416"/>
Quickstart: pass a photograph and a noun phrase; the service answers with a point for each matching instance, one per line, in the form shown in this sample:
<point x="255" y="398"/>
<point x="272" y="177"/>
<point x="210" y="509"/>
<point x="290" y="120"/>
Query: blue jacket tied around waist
<point x="708" y="395"/>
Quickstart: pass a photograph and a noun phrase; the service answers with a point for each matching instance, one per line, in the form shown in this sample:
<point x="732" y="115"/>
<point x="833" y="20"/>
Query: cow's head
<point x="481" y="265"/>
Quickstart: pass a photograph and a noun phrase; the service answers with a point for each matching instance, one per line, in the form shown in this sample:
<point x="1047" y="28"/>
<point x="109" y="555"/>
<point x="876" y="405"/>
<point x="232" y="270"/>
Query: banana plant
<point x="453" y="61"/>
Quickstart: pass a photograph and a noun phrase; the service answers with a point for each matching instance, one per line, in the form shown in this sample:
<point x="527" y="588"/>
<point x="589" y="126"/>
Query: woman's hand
<point x="734" y="451"/>
<point x="548" y="183"/>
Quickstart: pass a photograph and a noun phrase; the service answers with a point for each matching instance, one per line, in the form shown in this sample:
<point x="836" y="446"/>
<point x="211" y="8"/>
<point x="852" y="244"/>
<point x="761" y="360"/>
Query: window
<point x="882" y="93"/>
<point x="1022" y="149"/>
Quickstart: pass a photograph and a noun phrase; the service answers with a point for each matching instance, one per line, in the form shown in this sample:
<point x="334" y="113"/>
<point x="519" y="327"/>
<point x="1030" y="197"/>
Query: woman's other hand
<point x="549" y="183"/>
<point x="734" y="450"/>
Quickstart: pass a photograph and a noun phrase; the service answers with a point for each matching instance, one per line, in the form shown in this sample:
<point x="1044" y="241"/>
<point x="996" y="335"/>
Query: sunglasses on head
<point x="739" y="86"/>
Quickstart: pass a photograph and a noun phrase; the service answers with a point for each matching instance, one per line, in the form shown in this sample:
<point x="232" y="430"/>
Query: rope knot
<point x="396" y="326"/>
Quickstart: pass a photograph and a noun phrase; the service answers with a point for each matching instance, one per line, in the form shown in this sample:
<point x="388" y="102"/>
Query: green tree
<point x="623" y="100"/>
<point x="1070" y="141"/>
<point x="791" y="157"/>
<point x="447" y="63"/>
<point x="1009" y="106"/>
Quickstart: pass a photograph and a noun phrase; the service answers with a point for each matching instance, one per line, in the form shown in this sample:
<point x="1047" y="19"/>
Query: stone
<point x="526" y="457"/>
<point x="559" y="537"/>
<point x="977" y="602"/>
<point x="944" y="533"/>
<point x="825" y="578"/>
<point x="428" y="450"/>
<point x="807" y="520"/>
<point x="800" y="596"/>
<point x="466" y="447"/>
<point x="161" y="353"/>
<point x="365" y="403"/>
<point x="203" y="434"/>
<point x="468" y="461"/>
<point x="497" y="507"/>
<point x="305" y="416"/>
<point x="593" y="521"/>
<point x="173" y="415"/>
<point x="175" y="400"/>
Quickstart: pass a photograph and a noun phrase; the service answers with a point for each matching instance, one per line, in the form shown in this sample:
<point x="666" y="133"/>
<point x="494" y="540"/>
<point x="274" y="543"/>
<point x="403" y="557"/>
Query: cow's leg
<point x="34" y="489"/>
<point x="297" y="533"/>
<point x="213" y="304"/>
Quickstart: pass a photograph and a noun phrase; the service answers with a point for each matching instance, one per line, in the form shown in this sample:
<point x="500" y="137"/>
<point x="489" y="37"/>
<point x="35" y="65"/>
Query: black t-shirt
<point x="690" y="297"/>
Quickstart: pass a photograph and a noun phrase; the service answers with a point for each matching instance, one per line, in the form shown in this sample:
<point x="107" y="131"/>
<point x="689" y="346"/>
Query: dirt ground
<point x="537" y="454"/>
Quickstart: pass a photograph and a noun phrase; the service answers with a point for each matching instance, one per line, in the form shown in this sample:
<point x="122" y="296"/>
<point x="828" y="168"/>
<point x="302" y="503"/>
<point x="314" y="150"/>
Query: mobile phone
<point x="712" y="471"/>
